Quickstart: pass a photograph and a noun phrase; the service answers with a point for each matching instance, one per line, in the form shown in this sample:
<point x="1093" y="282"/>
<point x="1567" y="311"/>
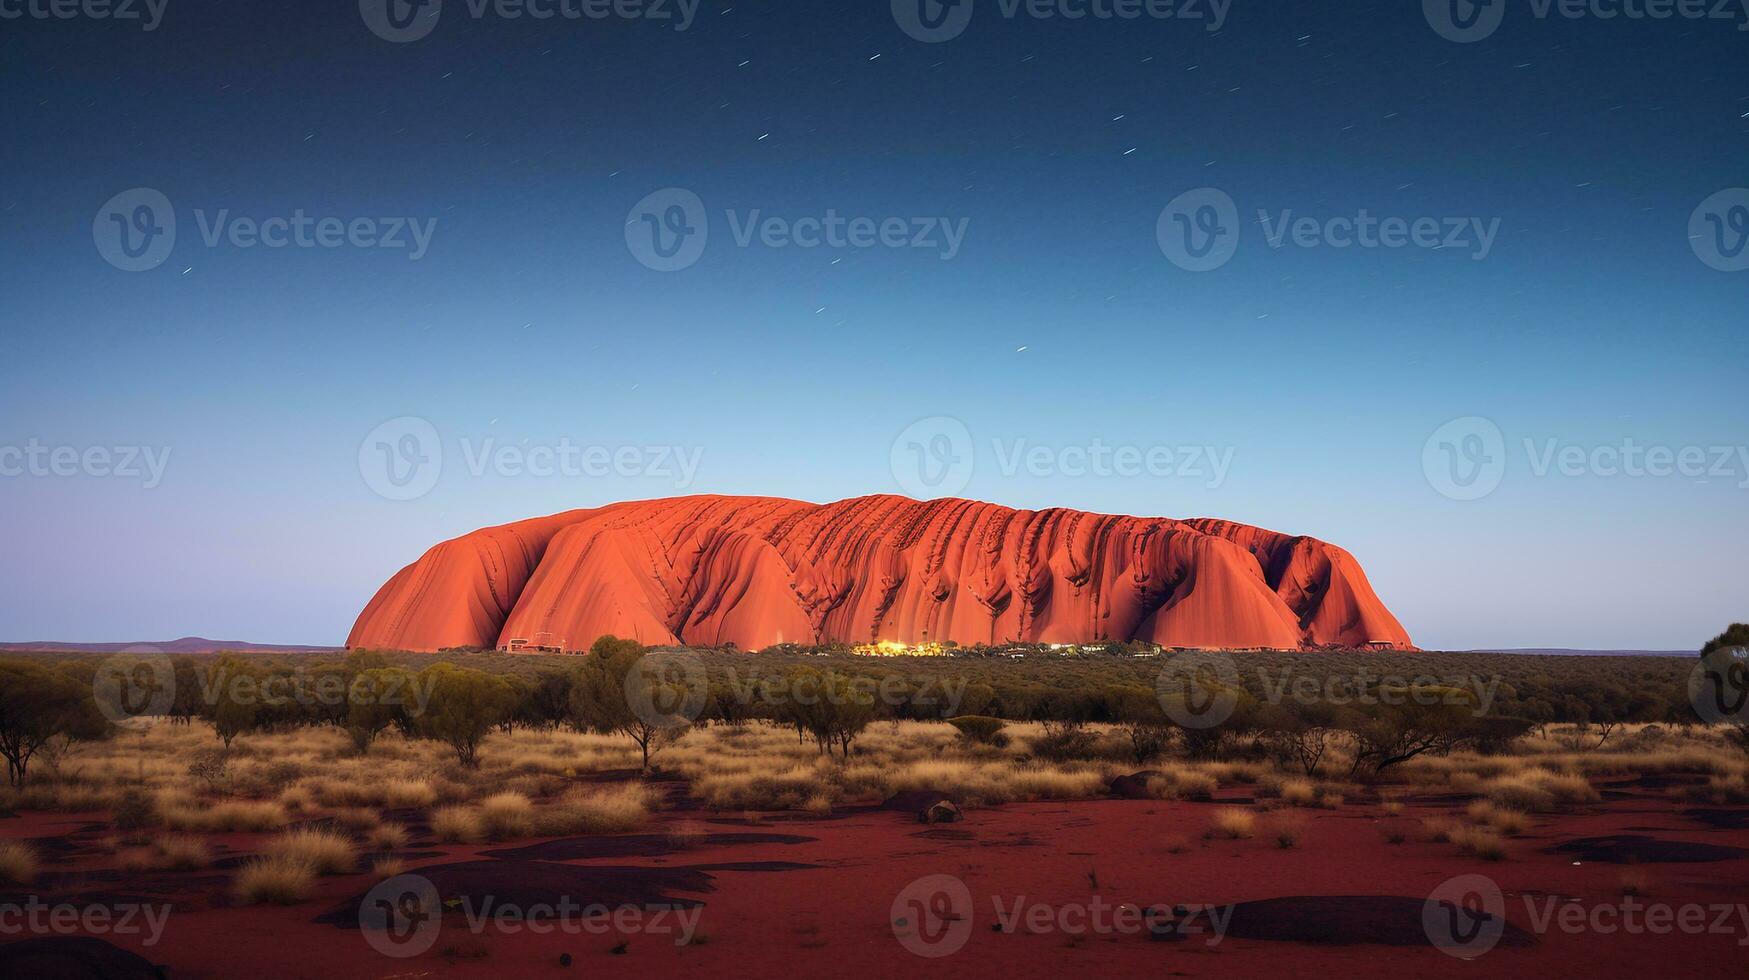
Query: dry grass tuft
<point x="1233" y="823"/>
<point x="387" y="837"/>
<point x="275" y="881"/>
<point x="457" y="824"/>
<point x="1505" y="820"/>
<point x="596" y="811"/>
<point x="507" y="815"/>
<point x="324" y="852"/>
<point x="1298" y="792"/>
<point x="1539" y="789"/>
<point x="183" y="853"/>
<point x="1482" y="842"/>
<point x="230" y="816"/>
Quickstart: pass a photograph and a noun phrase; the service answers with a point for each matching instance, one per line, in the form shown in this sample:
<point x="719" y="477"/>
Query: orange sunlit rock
<point x="756" y="571"/>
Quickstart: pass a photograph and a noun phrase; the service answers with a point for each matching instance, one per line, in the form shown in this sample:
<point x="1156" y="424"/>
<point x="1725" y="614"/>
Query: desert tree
<point x="1138" y="713"/>
<point x="462" y="708"/>
<point x="1300" y="732"/>
<point x="619" y="690"/>
<point x="38" y="706"/>
<point x="377" y="699"/>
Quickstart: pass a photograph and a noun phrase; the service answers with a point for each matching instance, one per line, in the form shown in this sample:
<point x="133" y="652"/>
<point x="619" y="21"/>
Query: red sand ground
<point x="834" y="920"/>
<point x="757" y="571"/>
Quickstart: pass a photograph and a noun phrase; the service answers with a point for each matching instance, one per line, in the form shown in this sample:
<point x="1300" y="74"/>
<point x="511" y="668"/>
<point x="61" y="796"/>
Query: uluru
<point x="752" y="572"/>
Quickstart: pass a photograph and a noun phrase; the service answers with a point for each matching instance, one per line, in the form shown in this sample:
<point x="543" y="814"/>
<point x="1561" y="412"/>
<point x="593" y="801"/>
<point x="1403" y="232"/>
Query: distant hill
<point x="187" y="644"/>
<point x="1565" y="652"/>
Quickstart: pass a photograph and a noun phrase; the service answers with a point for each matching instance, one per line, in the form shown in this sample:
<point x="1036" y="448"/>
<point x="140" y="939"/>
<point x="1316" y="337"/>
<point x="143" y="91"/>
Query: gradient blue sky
<point x="1591" y="322"/>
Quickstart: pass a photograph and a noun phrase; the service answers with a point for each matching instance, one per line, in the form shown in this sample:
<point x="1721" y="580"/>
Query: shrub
<point x="183" y="853"/>
<point x="387" y="867"/>
<point x="604" y="811"/>
<point x="274" y="880"/>
<point x="1182" y="784"/>
<point x="234" y="816"/>
<point x="457" y="824"/>
<point x="408" y="793"/>
<point x="134" y="809"/>
<point x="506" y="815"/>
<point x="1287" y="831"/>
<point x="980" y="728"/>
<point x="387" y="837"/>
<point x="1507" y="821"/>
<point x="1298" y="792"/>
<point x="1063" y="741"/>
<point x="1233" y="823"/>
<point x="18" y="863"/>
<point x="1482" y="842"/>
<point x="323" y="852"/>
<point x="1539" y="789"/>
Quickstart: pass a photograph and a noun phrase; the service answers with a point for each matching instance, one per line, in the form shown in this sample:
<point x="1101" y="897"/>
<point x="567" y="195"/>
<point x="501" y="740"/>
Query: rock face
<point x="755" y="571"/>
